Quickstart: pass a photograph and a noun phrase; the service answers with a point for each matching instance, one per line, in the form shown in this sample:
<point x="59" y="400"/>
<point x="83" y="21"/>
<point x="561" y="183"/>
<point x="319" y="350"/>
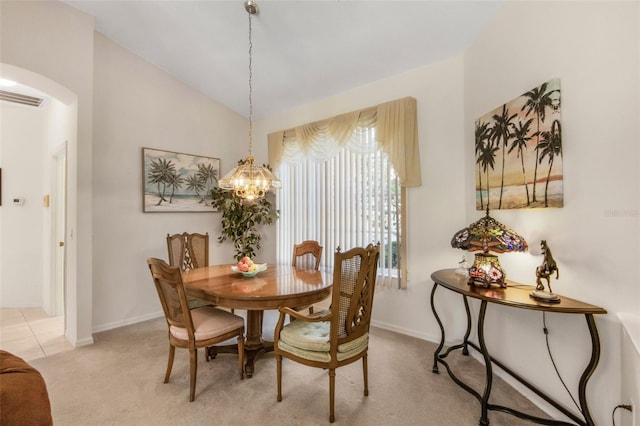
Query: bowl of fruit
<point x="248" y="268"/>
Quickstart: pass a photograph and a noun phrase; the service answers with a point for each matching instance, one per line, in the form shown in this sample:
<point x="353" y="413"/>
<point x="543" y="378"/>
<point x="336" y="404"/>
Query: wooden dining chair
<point x="192" y="328"/>
<point x="339" y="336"/>
<point x="188" y="251"/>
<point x="307" y="255"/>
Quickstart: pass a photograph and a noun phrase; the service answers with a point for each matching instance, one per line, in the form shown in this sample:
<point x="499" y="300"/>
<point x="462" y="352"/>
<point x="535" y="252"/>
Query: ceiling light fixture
<point x="247" y="180"/>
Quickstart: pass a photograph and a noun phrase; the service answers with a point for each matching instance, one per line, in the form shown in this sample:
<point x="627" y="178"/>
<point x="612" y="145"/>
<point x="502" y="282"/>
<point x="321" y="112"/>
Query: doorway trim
<point x="58" y="231"/>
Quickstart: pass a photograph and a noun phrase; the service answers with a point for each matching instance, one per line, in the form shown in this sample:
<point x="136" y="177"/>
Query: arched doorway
<point x="58" y="122"/>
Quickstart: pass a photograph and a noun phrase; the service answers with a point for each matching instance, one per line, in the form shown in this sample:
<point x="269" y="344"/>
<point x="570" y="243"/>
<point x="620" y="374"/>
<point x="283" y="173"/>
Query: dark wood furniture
<point x="192" y="328"/>
<point x="277" y="287"/>
<point x="515" y="295"/>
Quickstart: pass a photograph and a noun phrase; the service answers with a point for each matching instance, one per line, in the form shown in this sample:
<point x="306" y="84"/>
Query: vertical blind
<point x="344" y="183"/>
<point x="347" y="201"/>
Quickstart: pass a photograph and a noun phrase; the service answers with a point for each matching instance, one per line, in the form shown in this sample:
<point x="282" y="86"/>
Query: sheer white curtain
<point x="340" y="186"/>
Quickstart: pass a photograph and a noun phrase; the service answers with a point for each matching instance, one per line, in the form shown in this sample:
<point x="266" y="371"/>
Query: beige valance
<point x="396" y="133"/>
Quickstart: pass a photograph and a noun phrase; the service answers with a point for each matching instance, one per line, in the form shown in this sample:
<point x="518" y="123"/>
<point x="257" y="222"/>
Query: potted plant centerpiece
<point x="241" y="219"/>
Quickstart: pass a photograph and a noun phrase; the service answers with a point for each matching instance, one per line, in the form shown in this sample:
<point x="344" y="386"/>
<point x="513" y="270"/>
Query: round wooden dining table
<point x="277" y="286"/>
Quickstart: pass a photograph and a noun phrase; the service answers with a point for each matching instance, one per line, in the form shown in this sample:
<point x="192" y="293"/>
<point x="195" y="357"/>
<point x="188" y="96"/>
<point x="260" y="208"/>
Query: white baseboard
<point x="407" y="331"/>
<point x="84" y="342"/>
<point x="128" y="321"/>
<point x="497" y="371"/>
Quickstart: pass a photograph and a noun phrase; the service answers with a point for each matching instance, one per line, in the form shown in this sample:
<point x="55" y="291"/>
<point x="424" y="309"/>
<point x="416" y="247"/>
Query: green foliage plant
<point x="241" y="219"/>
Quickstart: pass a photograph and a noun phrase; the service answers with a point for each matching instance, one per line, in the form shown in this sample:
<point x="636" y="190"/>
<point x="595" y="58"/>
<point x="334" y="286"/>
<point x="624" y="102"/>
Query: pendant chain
<point x="250" y="91"/>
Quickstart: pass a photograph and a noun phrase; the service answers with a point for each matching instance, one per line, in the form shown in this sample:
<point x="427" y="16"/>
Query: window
<point x="341" y="188"/>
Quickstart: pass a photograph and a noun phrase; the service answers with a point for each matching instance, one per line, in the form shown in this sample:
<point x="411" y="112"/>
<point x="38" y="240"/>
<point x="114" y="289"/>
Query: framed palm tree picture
<point x="518" y="152"/>
<point x="177" y="182"/>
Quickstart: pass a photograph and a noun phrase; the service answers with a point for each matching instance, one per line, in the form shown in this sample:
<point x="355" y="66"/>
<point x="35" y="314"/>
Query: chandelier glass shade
<point x="247" y="180"/>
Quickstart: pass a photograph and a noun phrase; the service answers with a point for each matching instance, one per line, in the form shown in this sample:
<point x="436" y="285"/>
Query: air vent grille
<point x="20" y="99"/>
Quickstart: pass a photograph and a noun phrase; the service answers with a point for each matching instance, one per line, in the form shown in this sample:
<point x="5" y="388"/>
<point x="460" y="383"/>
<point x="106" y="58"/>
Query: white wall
<point x="30" y="137"/>
<point x="137" y="105"/>
<point x="22" y="136"/>
<point x="592" y="47"/>
<point x="630" y="371"/>
<point x="56" y="55"/>
<point x="436" y="209"/>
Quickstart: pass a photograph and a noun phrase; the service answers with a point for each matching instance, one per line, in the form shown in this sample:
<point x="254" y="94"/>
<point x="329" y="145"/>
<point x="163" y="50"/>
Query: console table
<point x="515" y="295"/>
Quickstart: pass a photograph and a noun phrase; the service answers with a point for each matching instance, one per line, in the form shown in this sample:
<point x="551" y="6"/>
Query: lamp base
<point x="486" y="270"/>
<point x="545" y="296"/>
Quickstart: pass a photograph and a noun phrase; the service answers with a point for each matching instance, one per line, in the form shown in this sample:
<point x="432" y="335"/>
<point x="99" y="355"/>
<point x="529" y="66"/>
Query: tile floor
<point x="29" y="333"/>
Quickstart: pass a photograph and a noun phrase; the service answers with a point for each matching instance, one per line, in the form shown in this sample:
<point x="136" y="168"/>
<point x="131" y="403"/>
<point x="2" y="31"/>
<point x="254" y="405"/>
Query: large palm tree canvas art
<point x="176" y="182"/>
<point x="518" y="152"/>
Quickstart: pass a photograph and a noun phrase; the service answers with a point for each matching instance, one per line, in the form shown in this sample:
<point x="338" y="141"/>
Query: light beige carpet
<point x="119" y="381"/>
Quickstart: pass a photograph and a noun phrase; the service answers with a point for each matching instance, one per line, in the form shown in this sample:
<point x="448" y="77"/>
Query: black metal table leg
<point x="591" y="367"/>
<point x="436" y="354"/>
<point x="517" y="296"/>
<point x="465" y="348"/>
<point x="484" y="418"/>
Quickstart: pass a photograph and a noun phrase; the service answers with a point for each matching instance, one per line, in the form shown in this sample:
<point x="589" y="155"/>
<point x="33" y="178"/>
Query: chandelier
<point x="247" y="180"/>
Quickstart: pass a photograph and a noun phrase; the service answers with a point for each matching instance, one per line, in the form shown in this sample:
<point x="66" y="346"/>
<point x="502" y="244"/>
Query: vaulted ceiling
<point x="303" y="51"/>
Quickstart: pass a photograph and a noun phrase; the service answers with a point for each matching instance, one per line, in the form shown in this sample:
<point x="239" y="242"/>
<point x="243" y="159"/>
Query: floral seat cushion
<point x="310" y="340"/>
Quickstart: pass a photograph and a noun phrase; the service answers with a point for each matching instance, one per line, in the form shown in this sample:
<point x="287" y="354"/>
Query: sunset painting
<point x="518" y="152"/>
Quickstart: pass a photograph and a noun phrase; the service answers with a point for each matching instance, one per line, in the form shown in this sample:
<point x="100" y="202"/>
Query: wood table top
<point x="515" y="294"/>
<point x="277" y="286"/>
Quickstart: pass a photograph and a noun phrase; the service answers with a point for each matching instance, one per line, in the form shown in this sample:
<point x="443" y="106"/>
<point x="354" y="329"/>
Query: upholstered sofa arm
<point x="24" y="399"/>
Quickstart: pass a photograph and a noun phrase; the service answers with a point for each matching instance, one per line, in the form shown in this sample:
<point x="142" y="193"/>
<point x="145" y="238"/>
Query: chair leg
<point x="332" y="393"/>
<point x="241" y="356"/>
<point x="172" y="352"/>
<point x="193" y="363"/>
<point x="366" y="375"/>
<point x="279" y="376"/>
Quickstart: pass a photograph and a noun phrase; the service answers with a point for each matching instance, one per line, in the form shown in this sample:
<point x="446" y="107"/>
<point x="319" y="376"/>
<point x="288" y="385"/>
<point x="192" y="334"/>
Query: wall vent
<point x="20" y="98"/>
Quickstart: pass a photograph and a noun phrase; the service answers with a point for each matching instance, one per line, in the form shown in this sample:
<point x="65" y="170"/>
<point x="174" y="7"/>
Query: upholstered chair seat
<point x="209" y="322"/>
<point x="336" y="336"/>
<point x="310" y="340"/>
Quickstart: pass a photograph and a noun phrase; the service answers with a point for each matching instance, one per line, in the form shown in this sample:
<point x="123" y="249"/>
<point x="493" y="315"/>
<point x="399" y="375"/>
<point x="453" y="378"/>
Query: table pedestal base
<point x="254" y="346"/>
